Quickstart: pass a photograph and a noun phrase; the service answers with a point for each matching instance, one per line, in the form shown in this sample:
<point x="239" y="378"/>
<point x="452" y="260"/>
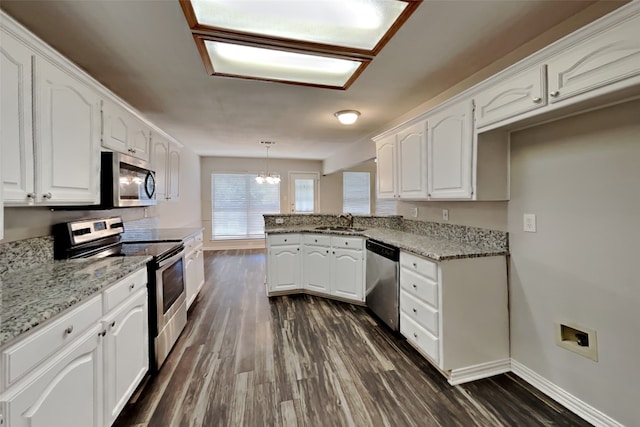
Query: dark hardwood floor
<point x="246" y="360"/>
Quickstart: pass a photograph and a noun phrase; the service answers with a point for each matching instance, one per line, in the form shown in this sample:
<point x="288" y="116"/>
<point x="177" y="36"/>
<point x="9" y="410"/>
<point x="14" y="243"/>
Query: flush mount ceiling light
<point x="268" y="177"/>
<point x="347" y="117"/>
<point x="347" y="34"/>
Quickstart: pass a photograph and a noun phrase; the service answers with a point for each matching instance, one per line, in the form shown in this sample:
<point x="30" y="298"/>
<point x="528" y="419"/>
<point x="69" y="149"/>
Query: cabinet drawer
<point x="419" y="265"/>
<point x="193" y="243"/>
<point x="284" y="239"/>
<point x="347" y="242"/>
<point x="317" y="239"/>
<point x="119" y="292"/>
<point x="420" y="287"/>
<point x="28" y="353"/>
<point x="420" y="312"/>
<point x="420" y="337"/>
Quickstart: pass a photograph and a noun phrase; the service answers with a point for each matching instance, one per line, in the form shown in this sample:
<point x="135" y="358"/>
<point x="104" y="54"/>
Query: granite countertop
<point x="139" y="235"/>
<point x="30" y="297"/>
<point x="430" y="247"/>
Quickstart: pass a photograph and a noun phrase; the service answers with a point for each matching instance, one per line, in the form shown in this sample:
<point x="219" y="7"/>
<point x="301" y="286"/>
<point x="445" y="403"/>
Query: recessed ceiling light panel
<point x="359" y="24"/>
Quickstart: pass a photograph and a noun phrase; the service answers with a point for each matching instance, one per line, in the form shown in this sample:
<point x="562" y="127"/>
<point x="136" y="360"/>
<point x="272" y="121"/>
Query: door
<point x="303" y="192"/>
<point x="67" y="138"/>
<point x="348" y="274"/>
<point x="126" y="353"/>
<point x="16" y="126"/>
<point x="450" y="149"/>
<point x="284" y="268"/>
<point x="317" y="269"/>
<point x="386" y="168"/>
<point x="412" y="162"/>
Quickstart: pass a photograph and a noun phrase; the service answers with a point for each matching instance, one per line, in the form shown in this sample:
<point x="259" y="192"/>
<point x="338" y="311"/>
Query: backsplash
<point x="25" y="253"/>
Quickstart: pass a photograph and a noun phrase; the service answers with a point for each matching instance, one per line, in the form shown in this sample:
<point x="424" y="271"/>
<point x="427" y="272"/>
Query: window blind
<point x="356" y="193"/>
<point x="238" y="203"/>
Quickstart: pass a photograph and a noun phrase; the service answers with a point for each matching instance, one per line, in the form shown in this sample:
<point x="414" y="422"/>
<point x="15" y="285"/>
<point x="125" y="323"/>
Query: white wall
<point x="581" y="177"/>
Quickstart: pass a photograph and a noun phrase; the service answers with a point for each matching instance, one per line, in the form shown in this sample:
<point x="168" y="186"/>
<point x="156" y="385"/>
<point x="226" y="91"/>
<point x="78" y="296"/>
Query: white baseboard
<point x="476" y="372"/>
<point x="222" y="245"/>
<point x="571" y="402"/>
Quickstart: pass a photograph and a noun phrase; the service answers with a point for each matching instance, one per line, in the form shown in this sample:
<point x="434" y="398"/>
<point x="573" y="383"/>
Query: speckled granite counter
<point x="30" y="297"/>
<point x="434" y="248"/>
<point x="136" y="235"/>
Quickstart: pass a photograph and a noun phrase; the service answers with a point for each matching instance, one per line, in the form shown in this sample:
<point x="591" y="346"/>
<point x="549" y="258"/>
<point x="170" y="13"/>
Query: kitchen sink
<point x="338" y="228"/>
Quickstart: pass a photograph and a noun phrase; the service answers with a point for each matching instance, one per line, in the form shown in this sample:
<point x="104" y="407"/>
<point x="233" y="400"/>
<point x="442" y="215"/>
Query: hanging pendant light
<point x="268" y="177"/>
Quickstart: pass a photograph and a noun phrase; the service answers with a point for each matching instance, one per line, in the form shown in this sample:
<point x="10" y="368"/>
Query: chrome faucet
<point x="348" y="217"/>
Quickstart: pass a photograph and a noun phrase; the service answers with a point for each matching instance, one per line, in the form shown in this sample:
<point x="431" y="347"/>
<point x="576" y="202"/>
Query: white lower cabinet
<point x="284" y="262"/>
<point x="455" y="313"/>
<point x="326" y="265"/>
<point x="66" y="391"/>
<point x="81" y="369"/>
<point x="126" y="352"/>
<point x="194" y="268"/>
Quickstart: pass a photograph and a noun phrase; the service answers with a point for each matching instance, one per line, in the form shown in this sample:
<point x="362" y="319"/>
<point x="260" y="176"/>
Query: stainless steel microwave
<point x="126" y="182"/>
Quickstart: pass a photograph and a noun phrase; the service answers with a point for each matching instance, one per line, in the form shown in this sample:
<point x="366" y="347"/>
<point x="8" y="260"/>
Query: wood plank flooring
<point x="247" y="360"/>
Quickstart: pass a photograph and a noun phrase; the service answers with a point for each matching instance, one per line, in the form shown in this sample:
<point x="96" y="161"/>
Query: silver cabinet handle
<point x="415" y="265"/>
<point x="31" y="195"/>
<point x="415" y="335"/>
<point x="101" y="334"/>
<point x="68" y="330"/>
<point x="346" y="243"/>
<point x="554" y="94"/>
<point x="537" y="100"/>
<point x="46" y="196"/>
<point x="131" y="286"/>
<point x="113" y="324"/>
<point x="415" y="311"/>
<point x="415" y="286"/>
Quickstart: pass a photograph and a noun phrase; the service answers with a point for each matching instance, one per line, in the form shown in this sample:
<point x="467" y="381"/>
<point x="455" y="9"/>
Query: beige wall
<point x="331" y="190"/>
<point x="581" y="177"/>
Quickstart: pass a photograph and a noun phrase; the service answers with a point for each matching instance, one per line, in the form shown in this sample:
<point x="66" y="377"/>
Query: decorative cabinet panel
<point x="402" y="164"/>
<point x="124" y="133"/>
<point x="348" y="274"/>
<point x="450" y="151"/>
<point x="317" y="268"/>
<point x="608" y="59"/>
<point x="386" y="167"/>
<point x="194" y="268"/>
<point x="166" y="162"/>
<point x="16" y="120"/>
<point x="519" y="94"/>
<point x="284" y="262"/>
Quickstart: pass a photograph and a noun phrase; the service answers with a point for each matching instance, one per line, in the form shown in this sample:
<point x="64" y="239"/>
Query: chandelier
<point x="268" y="178"/>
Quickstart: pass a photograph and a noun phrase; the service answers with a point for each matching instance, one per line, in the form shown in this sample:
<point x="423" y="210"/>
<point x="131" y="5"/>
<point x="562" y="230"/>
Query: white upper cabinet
<point x="608" y="60"/>
<point x="16" y="126"/>
<point x="123" y="132"/>
<point x="412" y="161"/>
<point x="166" y="163"/>
<point x="523" y="92"/>
<point x="67" y="138"/>
<point x="450" y="142"/>
<point x="386" y="167"/>
<point x="402" y="162"/>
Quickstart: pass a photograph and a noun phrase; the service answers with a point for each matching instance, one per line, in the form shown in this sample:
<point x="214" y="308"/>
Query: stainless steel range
<point x="98" y="238"/>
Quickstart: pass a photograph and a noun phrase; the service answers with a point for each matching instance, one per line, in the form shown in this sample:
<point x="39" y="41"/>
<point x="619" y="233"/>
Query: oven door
<point x="170" y="289"/>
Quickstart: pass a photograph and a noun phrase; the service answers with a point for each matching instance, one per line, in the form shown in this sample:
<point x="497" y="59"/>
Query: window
<point x="238" y="203"/>
<point x="386" y="207"/>
<point x="356" y="193"/>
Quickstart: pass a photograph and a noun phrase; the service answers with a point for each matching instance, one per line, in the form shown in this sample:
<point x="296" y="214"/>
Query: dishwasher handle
<point x="383" y="249"/>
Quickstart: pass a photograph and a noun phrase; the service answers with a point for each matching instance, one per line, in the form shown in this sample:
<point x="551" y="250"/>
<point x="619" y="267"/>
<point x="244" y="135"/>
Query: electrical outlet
<point x="415" y="212"/>
<point x="279" y="220"/>
<point x="529" y="221"/>
<point x="445" y="214"/>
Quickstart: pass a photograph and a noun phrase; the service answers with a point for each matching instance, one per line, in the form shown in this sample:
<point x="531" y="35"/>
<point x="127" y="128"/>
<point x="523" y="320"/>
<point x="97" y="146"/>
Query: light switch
<point x="529" y="223"/>
<point x="445" y="214"/>
<point x="415" y="212"/>
<point x="279" y="220"/>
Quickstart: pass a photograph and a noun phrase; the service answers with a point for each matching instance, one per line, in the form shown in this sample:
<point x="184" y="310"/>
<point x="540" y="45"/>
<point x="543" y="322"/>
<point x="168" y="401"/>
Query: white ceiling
<point x="143" y="51"/>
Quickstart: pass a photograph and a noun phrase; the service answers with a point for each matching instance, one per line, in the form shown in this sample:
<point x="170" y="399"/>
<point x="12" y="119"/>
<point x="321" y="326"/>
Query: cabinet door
<point x="516" y="95"/>
<point x="412" y="162"/>
<point x="386" y="167"/>
<point x="607" y="59"/>
<point x="66" y="392"/>
<point x="139" y="143"/>
<point x="191" y="279"/>
<point x="67" y="138"/>
<point x="173" y="182"/>
<point x="16" y="127"/>
<point x="126" y="353"/>
<point x="317" y="269"/>
<point x="348" y="274"/>
<point x="160" y="154"/>
<point x="450" y="152"/>
<point x="116" y="128"/>
<point x="198" y="266"/>
<point x="284" y="268"/>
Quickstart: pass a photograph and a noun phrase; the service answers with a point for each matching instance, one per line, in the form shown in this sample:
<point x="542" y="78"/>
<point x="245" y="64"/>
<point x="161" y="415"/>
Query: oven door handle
<point x="171" y="259"/>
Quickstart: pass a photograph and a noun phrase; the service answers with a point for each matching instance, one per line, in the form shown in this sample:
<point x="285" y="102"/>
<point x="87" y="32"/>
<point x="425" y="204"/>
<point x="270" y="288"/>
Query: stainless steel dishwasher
<point x="383" y="282"/>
